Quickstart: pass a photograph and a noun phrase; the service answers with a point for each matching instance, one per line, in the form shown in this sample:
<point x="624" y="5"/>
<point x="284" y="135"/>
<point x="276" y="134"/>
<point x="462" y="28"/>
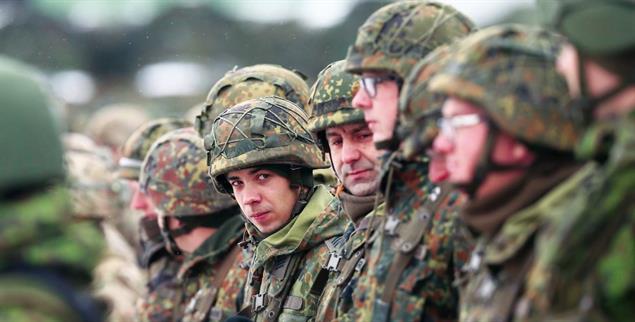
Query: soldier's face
<point x="140" y="201"/>
<point x="265" y="197"/>
<point x="354" y="157"/>
<point x="380" y="110"/>
<point x="461" y="149"/>
<point x="464" y="146"/>
<point x="437" y="170"/>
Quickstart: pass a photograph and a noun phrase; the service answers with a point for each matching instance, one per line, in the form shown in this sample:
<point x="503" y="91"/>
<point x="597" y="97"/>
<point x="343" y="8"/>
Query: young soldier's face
<point x="140" y="201"/>
<point x="378" y="99"/>
<point x="354" y="157"/>
<point x="265" y="197"/>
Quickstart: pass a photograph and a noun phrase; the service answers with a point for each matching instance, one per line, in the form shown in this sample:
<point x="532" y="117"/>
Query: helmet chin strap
<point x="168" y="237"/>
<point x="391" y="144"/>
<point x="585" y="102"/>
<point x="486" y="164"/>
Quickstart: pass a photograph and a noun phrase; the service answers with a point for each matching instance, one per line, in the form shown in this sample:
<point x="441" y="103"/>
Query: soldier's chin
<point x="438" y="176"/>
<point x="362" y="188"/>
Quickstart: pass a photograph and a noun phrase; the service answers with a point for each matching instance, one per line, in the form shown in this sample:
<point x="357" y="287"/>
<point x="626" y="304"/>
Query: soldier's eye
<point x="263" y="176"/>
<point x="364" y="135"/>
<point x="235" y="183"/>
<point x="335" y="142"/>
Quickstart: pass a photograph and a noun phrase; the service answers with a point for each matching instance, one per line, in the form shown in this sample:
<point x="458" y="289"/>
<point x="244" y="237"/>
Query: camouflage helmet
<point x="251" y="82"/>
<point x="137" y="145"/>
<point x="174" y="176"/>
<point x="112" y="125"/>
<point x="332" y="99"/>
<point x="91" y="183"/>
<point x="31" y="148"/>
<point x="419" y="109"/>
<point x="509" y="71"/>
<point x="266" y="130"/>
<point x="397" y="36"/>
<point x="578" y="20"/>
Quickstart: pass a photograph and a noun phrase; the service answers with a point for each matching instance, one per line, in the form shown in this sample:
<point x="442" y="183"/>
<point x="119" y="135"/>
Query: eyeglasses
<point x="369" y="83"/>
<point x="449" y="125"/>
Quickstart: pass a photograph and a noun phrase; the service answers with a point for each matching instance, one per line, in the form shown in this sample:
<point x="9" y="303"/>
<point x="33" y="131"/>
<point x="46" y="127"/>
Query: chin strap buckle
<point x="333" y="264"/>
<point x="391" y="225"/>
<point x="259" y="301"/>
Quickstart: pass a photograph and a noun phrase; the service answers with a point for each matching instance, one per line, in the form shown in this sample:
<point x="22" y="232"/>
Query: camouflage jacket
<point x="498" y="271"/>
<point x="186" y="291"/>
<point x="158" y="305"/>
<point x="46" y="259"/>
<point x="286" y="275"/>
<point x="415" y="249"/>
<point x="347" y="263"/>
<point x="220" y="257"/>
<point x="587" y="269"/>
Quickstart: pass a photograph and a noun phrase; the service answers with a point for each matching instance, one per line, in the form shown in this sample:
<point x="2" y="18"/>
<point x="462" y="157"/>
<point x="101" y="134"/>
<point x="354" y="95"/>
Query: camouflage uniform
<point x="174" y="176"/>
<point x="161" y="267"/>
<point x="586" y="272"/>
<point x="133" y="152"/>
<point x="286" y="275"/>
<point x="118" y="280"/>
<point x="331" y="105"/>
<point x="46" y="257"/>
<point x="509" y="72"/>
<point x="414" y="250"/>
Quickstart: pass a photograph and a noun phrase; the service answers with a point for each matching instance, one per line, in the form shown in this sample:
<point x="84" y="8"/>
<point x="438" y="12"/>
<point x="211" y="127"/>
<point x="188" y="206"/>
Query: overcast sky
<point x="325" y="13"/>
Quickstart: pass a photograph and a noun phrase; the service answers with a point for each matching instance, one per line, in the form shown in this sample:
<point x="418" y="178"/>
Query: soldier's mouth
<point x="357" y="173"/>
<point x="259" y="216"/>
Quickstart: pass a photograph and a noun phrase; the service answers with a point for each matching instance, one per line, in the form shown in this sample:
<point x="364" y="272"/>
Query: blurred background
<point x="164" y="55"/>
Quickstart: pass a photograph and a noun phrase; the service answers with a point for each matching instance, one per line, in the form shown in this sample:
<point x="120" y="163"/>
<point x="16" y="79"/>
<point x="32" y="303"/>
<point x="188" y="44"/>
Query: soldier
<point x="161" y="267"/>
<point x="133" y="152"/>
<point x="250" y="82"/>
<point x="255" y="81"/>
<point x="261" y="153"/>
<point x="118" y="280"/>
<point x="46" y="257"/>
<point x="507" y="137"/>
<point x="198" y="224"/>
<point x="342" y="133"/>
<point x="587" y="274"/>
<point x="413" y="251"/>
<point x="111" y="125"/>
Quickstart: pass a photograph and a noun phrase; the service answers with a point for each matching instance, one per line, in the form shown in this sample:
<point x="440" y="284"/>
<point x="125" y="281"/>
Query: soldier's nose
<point x="138" y="201"/>
<point x="442" y="145"/>
<point x="361" y="100"/>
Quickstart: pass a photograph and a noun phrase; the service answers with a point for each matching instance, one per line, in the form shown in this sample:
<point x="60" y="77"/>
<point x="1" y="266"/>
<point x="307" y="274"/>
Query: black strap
<point x="213" y="220"/>
<point x="204" y="307"/>
<point x="277" y="302"/>
<point x="151" y="228"/>
<point x="274" y="303"/>
<point x="410" y="236"/>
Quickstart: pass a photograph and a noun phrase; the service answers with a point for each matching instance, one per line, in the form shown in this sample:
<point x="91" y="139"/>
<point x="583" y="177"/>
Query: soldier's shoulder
<point x="24" y="298"/>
